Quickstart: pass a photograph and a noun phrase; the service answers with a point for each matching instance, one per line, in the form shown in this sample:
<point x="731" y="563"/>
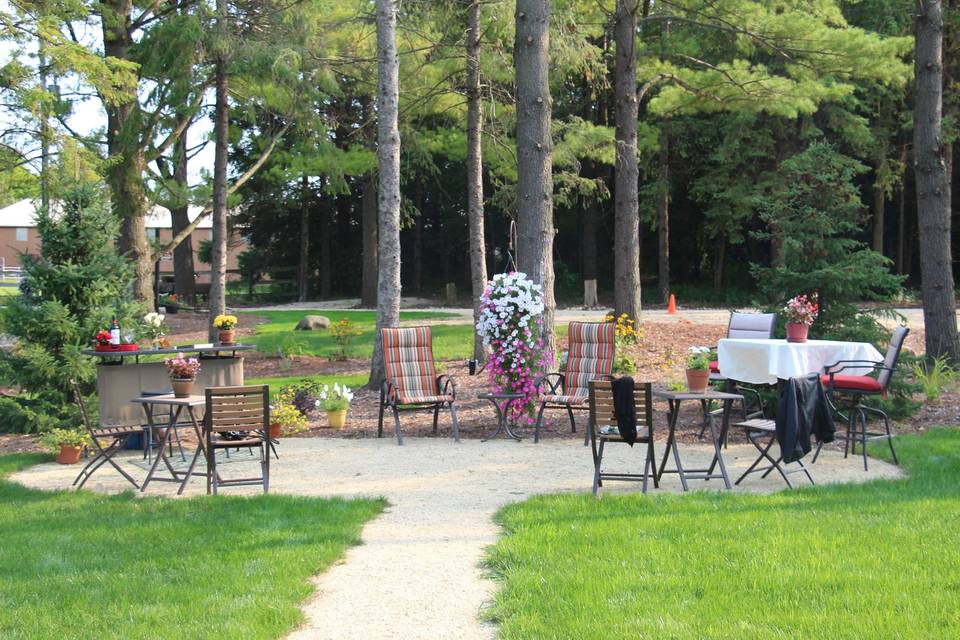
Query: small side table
<point x="501" y="402"/>
<point x="674" y="398"/>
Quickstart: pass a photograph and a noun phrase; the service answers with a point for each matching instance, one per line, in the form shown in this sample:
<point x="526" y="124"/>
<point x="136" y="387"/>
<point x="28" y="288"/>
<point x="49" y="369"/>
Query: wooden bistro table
<point x="674" y="398"/>
<point x="177" y="406"/>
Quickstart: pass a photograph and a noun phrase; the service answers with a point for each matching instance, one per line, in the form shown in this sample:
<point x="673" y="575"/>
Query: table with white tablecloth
<point x="766" y="361"/>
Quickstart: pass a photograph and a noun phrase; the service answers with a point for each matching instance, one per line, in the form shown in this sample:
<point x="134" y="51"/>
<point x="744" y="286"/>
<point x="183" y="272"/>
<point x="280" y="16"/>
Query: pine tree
<point x="69" y="291"/>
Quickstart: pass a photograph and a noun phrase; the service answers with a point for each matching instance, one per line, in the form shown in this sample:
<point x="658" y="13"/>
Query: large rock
<point x="312" y="323"/>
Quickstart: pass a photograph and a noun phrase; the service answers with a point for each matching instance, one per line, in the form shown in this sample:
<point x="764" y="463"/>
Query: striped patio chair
<point x="590" y="357"/>
<point x="412" y="382"/>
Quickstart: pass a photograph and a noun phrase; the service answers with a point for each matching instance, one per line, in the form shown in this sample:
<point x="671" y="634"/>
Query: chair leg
<point x="453" y="419"/>
<point x="863" y="435"/>
<point x="597" y="483"/>
<point x="817" y="452"/>
<point x="380" y="418"/>
<point x="396" y="425"/>
<point x="573" y="422"/>
<point x="652" y="456"/>
<point x="536" y="431"/>
<point x="436" y="414"/>
<point x="849" y="439"/>
<point x="886" y="424"/>
<point x="646" y="470"/>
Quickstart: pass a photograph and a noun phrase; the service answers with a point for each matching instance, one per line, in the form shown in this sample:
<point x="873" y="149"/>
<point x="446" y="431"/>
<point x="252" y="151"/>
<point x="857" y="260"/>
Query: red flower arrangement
<point x="102" y="337"/>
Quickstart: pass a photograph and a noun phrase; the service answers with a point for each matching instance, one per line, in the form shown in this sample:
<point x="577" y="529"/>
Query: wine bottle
<point x="114" y="331"/>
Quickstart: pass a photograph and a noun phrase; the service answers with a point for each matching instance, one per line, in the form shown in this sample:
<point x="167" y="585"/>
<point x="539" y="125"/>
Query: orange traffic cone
<point x="672" y="305"/>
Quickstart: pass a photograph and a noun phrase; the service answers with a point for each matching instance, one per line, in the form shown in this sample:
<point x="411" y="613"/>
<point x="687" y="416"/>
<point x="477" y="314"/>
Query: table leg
<point x="506" y="419"/>
<point x="200" y="438"/>
<point x="493" y="434"/>
<point x="670" y="427"/>
<point x="717" y="456"/>
<point x="672" y="444"/>
<point x="160" y="455"/>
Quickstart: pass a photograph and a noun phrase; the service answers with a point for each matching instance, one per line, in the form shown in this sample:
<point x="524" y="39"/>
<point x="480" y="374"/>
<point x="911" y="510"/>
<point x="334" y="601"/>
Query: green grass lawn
<point x="878" y="560"/>
<point x="352" y="381"/>
<point x="450" y="342"/>
<point x="84" y="565"/>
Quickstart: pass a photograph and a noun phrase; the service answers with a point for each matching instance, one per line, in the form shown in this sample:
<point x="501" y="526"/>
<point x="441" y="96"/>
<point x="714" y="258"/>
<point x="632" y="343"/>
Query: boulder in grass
<point x="313" y="323"/>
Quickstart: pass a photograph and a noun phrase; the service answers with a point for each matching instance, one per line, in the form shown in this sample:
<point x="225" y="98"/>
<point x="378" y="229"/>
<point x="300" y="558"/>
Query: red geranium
<point x="103" y="337"/>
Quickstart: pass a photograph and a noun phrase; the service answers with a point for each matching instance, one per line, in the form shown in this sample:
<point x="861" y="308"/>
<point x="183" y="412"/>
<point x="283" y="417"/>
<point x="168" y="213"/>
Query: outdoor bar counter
<point x="122" y="375"/>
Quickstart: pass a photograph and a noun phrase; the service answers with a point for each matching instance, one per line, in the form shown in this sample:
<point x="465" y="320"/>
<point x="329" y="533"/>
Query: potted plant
<point x="800" y="312"/>
<point x="182" y="371"/>
<point x="170" y="303"/>
<point x="335" y="402"/>
<point x="68" y="444"/>
<point x="698" y="369"/>
<point x="286" y="418"/>
<point x="228" y="328"/>
<point x="155" y="328"/>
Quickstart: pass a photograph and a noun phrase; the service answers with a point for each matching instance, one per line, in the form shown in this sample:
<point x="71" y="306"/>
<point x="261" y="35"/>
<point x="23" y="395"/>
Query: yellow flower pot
<point x="337" y="419"/>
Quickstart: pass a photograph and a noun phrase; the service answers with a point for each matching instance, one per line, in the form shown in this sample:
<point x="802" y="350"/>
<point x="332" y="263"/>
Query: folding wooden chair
<point x="412" y="383"/>
<point x="590" y="357"/>
<point x="114" y="437"/>
<point x="245" y="409"/>
<point x="602" y="415"/>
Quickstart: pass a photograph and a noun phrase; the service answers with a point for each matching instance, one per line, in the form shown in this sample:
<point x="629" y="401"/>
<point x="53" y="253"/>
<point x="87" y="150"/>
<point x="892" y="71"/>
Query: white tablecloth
<point x="766" y="361"/>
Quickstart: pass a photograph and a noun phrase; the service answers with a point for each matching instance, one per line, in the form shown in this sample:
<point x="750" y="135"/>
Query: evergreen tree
<point x="69" y="291"/>
<point x="812" y="212"/>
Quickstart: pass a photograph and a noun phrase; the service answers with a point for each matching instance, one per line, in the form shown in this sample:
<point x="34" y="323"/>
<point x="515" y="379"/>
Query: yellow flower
<point x="225" y="322"/>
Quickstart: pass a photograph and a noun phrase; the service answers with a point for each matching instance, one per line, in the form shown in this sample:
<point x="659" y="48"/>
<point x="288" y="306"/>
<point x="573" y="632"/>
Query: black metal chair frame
<point x="555" y="384"/>
<point x="118" y="436"/>
<point x="650" y="461"/>
<point x="857" y="412"/>
<point x="444" y="385"/>
<point x="756" y="430"/>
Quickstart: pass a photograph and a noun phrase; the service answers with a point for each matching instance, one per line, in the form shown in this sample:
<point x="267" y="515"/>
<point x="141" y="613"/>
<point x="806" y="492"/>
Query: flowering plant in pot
<point x="68" y="444"/>
<point x="511" y="325"/>
<point x="170" y="303"/>
<point x="102" y="338"/>
<point x="698" y="369"/>
<point x="286" y="418"/>
<point x="182" y="372"/>
<point x="800" y="313"/>
<point x="155" y="328"/>
<point x="228" y="328"/>
<point x="336" y="402"/>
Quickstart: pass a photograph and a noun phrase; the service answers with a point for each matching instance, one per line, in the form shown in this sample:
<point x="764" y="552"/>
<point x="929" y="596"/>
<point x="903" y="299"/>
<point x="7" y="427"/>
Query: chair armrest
<point x="388" y="394"/>
<point x="555" y="383"/>
<point x="827" y="368"/>
<point x="447" y="385"/>
<point x="864" y="365"/>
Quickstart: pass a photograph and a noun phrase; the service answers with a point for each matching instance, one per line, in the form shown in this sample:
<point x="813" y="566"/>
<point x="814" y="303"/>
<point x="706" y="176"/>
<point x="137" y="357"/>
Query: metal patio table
<point x="177" y="405"/>
<point x="674" y="398"/>
<point x="501" y="402"/>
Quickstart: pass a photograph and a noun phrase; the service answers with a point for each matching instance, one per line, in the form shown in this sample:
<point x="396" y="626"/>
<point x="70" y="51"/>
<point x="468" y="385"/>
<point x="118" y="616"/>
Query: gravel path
<point x="417" y="573"/>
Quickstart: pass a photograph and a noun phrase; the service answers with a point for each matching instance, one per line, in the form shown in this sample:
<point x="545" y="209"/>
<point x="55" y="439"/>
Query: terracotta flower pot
<point x="182" y="387"/>
<point x="69" y="454"/>
<point x="797" y="332"/>
<point x="336" y="419"/>
<point x="228" y="336"/>
<point x="698" y="380"/>
<point x="275" y="430"/>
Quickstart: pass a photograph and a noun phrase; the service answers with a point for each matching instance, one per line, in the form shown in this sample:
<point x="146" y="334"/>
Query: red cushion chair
<point x="855" y="387"/>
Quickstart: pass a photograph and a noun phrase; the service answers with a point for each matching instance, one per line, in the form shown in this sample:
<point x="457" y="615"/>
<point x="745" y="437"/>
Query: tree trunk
<point x="933" y="187"/>
<point x="184" y="271"/>
<point x="221" y="123"/>
<point x="388" y="156"/>
<point x="663" y="218"/>
<point x="127" y="161"/>
<point x="534" y="153"/>
<point x="368" y="222"/>
<point x="626" y="246"/>
<point x="902" y="215"/>
<point x="478" y="259"/>
<point x="326" y="261"/>
<point x="303" y="265"/>
<point x="718" y="262"/>
<point x="879" y="213"/>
